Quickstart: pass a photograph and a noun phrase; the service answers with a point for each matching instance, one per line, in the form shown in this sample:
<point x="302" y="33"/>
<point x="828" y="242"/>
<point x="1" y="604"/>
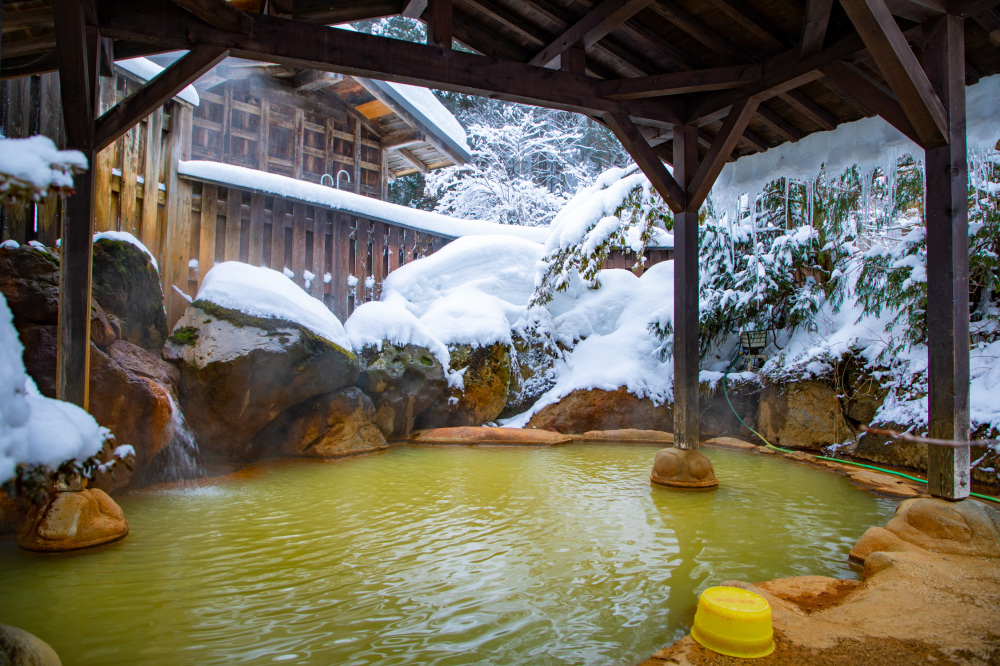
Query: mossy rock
<point x="239" y="373"/>
<point x="487" y="381"/>
<point x="127" y="285"/>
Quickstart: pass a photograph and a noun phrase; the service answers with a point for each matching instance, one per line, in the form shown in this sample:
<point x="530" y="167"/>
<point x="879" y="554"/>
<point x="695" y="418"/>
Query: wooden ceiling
<point x="656" y="62"/>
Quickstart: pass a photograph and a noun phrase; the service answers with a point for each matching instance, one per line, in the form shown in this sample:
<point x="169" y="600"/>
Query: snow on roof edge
<point x="416" y="103"/>
<point x="145" y="69"/>
<point x="382" y="211"/>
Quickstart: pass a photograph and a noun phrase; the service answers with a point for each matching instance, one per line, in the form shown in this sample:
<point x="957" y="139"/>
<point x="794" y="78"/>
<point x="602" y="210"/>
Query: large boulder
<point x="331" y="425"/>
<point x="130" y="394"/>
<point x="239" y="372"/>
<point x="402" y="381"/>
<point x="127" y="285"/>
<point x="486" y="376"/>
<point x="29" y="280"/>
<point x="715" y="412"/>
<point x="597" y="409"/>
<point x="802" y="415"/>
<point x="75" y="519"/>
<point x="19" y="648"/>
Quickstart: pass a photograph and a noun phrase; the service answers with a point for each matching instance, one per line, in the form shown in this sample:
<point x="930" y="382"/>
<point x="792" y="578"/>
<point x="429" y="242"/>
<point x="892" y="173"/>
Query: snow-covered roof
<point x="383" y="211"/>
<point x="426" y="108"/>
<point x="145" y="69"/>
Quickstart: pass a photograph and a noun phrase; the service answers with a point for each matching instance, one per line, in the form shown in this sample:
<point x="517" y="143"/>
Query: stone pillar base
<point x="683" y="468"/>
<point x="75" y="519"/>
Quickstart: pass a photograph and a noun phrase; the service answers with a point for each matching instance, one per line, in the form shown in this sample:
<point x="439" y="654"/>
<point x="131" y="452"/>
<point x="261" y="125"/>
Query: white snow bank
<point x="420" y="220"/>
<point x="33" y="167"/>
<point x="389" y="320"/>
<point x="127" y="238"/>
<point x="472" y="291"/>
<point x="146" y="69"/>
<point x="262" y="292"/>
<point x="36" y="430"/>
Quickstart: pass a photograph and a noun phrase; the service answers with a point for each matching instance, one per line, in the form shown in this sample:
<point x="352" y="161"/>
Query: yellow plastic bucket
<point x="734" y="622"/>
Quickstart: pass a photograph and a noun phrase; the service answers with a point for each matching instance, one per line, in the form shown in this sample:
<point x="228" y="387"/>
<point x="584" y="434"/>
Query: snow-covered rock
<point x="126" y="283"/>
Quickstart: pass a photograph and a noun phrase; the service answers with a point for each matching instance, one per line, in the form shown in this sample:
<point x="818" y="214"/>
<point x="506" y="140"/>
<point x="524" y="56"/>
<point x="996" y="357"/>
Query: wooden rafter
<point x="413" y="160"/>
<point x="809" y="109"/>
<point x="722" y="147"/>
<point x="676" y="83"/>
<point x="897" y="62"/>
<point x="778" y="124"/>
<point x="357" y="54"/>
<point x="217" y="13"/>
<point x="989" y="21"/>
<point x="871" y="95"/>
<point x="753" y="22"/>
<point x="814" y="24"/>
<point x="647" y="159"/>
<point x="414" y="8"/>
<point x="310" y="80"/>
<point x="697" y="29"/>
<point x="591" y="28"/>
<point x="344" y="11"/>
<point x="403" y="139"/>
<point x="155" y="92"/>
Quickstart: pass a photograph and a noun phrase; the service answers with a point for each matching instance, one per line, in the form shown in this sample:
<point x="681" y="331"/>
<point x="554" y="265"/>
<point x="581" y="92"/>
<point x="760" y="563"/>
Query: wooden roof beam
<point x="414" y="8"/>
<point x="778" y="124"/>
<point x="701" y="32"/>
<point x="592" y="28"/>
<point x="403" y="139"/>
<point x="647" y="159"/>
<point x="870" y="95"/>
<point x="676" y="83"/>
<point x="725" y="141"/>
<point x="753" y="22"/>
<point x="308" y="46"/>
<point x="218" y="14"/>
<point x="814" y="25"/>
<point x="412" y="159"/>
<point x="989" y="21"/>
<point x="155" y="93"/>
<point x="903" y="72"/>
<point x="311" y="80"/>
<point x="335" y="12"/>
<point x="809" y="109"/>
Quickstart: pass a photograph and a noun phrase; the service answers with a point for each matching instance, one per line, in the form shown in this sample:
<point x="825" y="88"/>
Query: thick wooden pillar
<point x="686" y="294"/>
<point x="78" y="44"/>
<point x="946" y="187"/>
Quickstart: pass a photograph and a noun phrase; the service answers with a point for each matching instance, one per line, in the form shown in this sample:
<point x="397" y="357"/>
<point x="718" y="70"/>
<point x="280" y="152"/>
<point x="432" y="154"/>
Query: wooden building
<point x="308" y="124"/>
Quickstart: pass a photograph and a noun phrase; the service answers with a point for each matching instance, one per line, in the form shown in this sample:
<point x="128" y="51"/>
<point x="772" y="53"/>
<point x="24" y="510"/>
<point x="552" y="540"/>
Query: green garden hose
<point x="725" y="391"/>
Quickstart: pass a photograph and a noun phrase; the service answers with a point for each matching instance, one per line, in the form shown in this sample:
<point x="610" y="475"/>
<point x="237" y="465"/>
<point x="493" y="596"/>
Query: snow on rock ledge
<point x="262" y="292"/>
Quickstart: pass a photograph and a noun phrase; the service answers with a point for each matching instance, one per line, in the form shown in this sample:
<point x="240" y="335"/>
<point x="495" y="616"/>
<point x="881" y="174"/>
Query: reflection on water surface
<point x="432" y="556"/>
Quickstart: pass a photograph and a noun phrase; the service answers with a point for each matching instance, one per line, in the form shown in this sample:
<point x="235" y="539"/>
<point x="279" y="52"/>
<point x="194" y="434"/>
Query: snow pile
<point x="126" y="237"/>
<point x="33" y="168"/>
<point x="262" y="292"/>
<point x="146" y="69"/>
<point x="390" y="321"/>
<point x="383" y="211"/>
<point x="35" y="430"/>
<point x="473" y="291"/>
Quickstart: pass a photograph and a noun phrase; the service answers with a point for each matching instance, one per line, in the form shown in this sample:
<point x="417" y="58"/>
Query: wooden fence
<point x="338" y="257"/>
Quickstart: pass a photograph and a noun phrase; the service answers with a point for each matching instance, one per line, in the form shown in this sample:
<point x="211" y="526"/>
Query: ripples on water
<point x="440" y="556"/>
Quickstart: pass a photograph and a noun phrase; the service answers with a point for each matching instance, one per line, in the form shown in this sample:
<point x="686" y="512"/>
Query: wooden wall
<point x="261" y="123"/>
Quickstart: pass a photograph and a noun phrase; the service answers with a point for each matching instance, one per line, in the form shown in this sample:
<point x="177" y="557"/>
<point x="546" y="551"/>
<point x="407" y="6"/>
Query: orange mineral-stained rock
<point x="494" y="436"/>
<point x="73" y="520"/>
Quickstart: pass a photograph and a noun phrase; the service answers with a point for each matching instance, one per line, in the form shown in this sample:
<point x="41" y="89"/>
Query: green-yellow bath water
<point x="432" y="556"/>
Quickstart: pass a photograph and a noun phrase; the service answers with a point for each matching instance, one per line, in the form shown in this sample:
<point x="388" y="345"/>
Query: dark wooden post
<point x="439" y="32"/>
<point x="686" y="294"/>
<point x="78" y="45"/>
<point x="946" y="187"/>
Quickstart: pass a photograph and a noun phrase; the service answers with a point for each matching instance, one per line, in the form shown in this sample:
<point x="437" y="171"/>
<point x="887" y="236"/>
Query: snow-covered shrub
<point x="620" y="210"/>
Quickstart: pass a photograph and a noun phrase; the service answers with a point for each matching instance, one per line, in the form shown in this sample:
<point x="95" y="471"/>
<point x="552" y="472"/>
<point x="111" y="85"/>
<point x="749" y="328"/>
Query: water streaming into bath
<point x="181" y="459"/>
<point x="431" y="556"/>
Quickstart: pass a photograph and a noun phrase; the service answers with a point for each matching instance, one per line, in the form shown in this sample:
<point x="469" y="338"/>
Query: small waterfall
<point x="181" y="459"/>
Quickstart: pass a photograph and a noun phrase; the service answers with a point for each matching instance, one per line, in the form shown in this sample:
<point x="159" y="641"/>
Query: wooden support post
<point x="686" y="295"/>
<point x="78" y="46"/>
<point x="946" y="187"/>
<point x="439" y="32"/>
